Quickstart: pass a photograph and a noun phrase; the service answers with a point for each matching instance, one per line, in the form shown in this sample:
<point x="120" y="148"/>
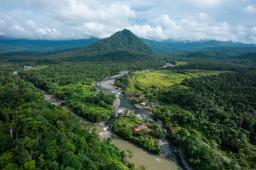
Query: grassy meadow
<point x="146" y="81"/>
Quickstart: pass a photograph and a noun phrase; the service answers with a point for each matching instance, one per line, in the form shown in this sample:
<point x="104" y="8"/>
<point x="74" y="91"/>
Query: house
<point x="139" y="128"/>
<point x="144" y="103"/>
<point x="168" y="65"/>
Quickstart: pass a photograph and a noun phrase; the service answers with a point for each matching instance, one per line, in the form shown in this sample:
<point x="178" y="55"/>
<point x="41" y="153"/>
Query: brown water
<point x="142" y="158"/>
<point x="139" y="157"/>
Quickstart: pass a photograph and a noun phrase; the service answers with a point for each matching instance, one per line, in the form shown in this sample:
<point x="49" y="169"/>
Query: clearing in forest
<point x="162" y="79"/>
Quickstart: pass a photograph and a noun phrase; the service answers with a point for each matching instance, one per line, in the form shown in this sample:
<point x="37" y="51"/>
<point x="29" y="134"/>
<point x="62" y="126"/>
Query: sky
<point x="225" y="20"/>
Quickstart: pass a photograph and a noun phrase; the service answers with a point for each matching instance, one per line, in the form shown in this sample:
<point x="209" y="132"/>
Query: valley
<point x="139" y="157"/>
<point x="115" y="104"/>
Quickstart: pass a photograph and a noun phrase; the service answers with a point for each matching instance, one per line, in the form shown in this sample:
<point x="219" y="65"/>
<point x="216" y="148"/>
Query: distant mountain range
<point x="170" y="47"/>
<point x="122" y="43"/>
<point x="25" y="45"/>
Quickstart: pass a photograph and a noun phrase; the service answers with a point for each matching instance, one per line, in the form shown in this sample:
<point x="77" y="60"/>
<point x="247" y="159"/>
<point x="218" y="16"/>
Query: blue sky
<point x="233" y="20"/>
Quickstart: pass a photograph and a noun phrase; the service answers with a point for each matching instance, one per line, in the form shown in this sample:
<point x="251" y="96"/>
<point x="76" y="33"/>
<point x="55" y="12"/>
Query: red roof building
<point x="139" y="128"/>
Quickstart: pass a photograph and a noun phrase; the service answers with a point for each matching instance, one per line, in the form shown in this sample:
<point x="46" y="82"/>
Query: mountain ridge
<point x="26" y="45"/>
<point x="170" y="46"/>
<point x="165" y="46"/>
<point x="123" y="40"/>
<point x="122" y="44"/>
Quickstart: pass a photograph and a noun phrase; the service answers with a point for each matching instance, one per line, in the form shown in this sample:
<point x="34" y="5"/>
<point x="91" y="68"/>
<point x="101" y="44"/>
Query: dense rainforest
<point x="210" y="115"/>
<point x="37" y="135"/>
<point x="221" y="116"/>
<point x="75" y="83"/>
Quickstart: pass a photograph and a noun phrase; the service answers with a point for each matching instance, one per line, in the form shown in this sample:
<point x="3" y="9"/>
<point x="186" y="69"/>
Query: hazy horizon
<point x="185" y="20"/>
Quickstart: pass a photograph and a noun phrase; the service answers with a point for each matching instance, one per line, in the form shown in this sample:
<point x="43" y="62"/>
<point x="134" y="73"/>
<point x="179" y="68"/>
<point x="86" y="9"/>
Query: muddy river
<point x="140" y="158"/>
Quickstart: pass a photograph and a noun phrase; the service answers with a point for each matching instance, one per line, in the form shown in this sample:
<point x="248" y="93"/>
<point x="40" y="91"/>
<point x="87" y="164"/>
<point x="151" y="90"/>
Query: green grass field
<point x="161" y="80"/>
<point x="180" y="63"/>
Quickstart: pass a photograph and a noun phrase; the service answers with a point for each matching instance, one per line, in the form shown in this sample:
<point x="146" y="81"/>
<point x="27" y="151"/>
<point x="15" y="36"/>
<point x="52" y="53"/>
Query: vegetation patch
<point x="140" y="132"/>
<point x="210" y="114"/>
<point x="37" y="135"/>
<point x="150" y="83"/>
<point x="213" y="120"/>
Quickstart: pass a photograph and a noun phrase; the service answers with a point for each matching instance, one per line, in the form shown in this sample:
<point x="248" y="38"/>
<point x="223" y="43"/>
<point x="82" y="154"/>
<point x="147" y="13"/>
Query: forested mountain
<point x="174" y="47"/>
<point x="25" y="45"/>
<point x="121" y="45"/>
<point x="123" y="40"/>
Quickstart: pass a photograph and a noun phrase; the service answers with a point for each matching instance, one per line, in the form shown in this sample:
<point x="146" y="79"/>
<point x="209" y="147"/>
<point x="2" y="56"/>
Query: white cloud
<point x="18" y="28"/>
<point x="66" y="18"/>
<point x="192" y="28"/>
<point x="165" y="22"/>
<point x="19" y="24"/>
<point x="97" y="29"/>
<point x="254" y="30"/>
<point x="204" y="3"/>
<point x="253" y="34"/>
<point x="77" y="11"/>
<point x="148" y="31"/>
<point x="181" y="20"/>
<point x="250" y="9"/>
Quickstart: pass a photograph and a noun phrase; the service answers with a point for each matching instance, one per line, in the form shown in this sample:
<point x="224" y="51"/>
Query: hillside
<point x="121" y="45"/>
<point x="123" y="40"/>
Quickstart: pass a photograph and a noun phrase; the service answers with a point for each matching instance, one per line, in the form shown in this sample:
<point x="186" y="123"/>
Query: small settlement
<point x="139" y="128"/>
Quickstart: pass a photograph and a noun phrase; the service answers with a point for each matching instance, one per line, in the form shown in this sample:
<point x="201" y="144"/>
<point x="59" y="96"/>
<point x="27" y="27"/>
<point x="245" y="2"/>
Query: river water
<point x="167" y="160"/>
<point x="140" y="157"/>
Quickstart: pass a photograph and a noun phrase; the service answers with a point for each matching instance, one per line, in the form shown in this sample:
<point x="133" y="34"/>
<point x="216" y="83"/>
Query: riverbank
<point x="167" y="152"/>
<point x="140" y="157"/>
